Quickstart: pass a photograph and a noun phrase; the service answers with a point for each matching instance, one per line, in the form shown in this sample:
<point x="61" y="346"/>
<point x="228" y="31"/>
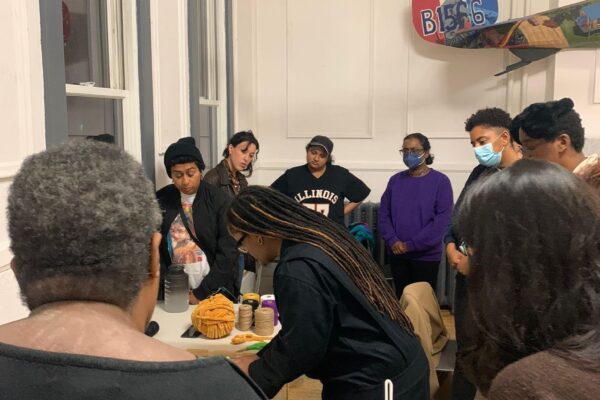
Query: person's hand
<point x="463" y="265"/>
<point x="193" y="299"/>
<point x="398" y="248"/>
<point x="453" y="255"/>
<point x="244" y="362"/>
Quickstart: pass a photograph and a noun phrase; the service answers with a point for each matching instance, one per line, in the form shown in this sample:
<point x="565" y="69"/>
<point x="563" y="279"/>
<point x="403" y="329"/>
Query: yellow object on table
<point x="214" y="317"/>
<point x="249" y="337"/>
<point x="251" y="296"/>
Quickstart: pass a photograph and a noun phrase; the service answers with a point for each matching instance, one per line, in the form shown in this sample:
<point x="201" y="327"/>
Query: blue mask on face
<point x="412" y="160"/>
<point x="487" y="156"/>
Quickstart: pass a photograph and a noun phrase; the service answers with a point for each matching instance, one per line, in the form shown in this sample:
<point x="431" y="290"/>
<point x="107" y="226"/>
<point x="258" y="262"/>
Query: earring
<point x="260" y="240"/>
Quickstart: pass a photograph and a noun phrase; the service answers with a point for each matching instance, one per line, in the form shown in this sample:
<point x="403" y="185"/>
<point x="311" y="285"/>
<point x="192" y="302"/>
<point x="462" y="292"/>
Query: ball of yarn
<point x="214" y="317"/>
<point x="251" y="296"/>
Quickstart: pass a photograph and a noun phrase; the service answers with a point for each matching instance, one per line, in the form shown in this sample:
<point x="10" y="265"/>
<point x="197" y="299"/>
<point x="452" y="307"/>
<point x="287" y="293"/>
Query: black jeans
<point x="407" y="271"/>
<point x="462" y="388"/>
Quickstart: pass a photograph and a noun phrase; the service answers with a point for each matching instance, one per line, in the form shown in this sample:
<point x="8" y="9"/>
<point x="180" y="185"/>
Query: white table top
<point x="172" y="325"/>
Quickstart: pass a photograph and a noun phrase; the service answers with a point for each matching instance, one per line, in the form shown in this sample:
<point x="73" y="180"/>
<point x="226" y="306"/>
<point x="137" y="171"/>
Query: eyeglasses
<point x="239" y="244"/>
<point x="418" y="152"/>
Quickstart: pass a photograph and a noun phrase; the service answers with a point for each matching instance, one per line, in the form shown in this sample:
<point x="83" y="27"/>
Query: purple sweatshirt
<point x="416" y="210"/>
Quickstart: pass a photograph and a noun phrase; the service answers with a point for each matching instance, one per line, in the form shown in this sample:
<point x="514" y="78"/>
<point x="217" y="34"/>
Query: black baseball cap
<point x="322" y="141"/>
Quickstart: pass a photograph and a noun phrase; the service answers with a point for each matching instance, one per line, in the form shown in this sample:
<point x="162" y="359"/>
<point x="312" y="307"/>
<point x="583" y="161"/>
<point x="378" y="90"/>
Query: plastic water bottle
<point x="176" y="289"/>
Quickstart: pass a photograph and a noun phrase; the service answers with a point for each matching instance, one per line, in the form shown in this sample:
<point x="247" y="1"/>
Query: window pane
<point x="86" y="39"/>
<point x="204" y="129"/>
<point x="92" y="117"/>
<point x="204" y="46"/>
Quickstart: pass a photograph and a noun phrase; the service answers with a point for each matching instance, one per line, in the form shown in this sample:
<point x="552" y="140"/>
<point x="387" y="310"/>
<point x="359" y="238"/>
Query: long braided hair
<point x="264" y="211"/>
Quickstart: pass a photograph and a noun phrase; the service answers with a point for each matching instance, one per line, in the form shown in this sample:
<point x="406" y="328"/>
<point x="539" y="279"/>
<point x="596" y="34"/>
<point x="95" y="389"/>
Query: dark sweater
<point x="29" y="374"/>
<point x="544" y="376"/>
<point x="332" y="333"/>
<point x="477" y="172"/>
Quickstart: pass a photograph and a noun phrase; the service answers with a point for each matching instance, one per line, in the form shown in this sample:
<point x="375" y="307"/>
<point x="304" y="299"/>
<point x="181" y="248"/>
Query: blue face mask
<point x="412" y="160"/>
<point x="487" y="156"/>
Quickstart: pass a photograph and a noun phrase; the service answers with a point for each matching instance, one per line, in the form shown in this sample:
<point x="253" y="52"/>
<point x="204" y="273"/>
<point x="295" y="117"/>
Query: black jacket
<point x="219" y="177"/>
<point x="209" y="209"/>
<point x="331" y="332"/>
<point x="477" y="172"/>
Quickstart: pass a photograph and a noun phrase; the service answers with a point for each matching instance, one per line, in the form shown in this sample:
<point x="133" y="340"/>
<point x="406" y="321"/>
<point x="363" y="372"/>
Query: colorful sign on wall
<point x="437" y="20"/>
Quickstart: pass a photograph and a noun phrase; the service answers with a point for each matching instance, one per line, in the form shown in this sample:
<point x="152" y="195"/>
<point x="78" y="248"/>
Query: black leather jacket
<point x="219" y="177"/>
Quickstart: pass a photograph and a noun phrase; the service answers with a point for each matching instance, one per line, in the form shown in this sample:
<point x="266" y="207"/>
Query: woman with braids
<point x="341" y="322"/>
<point x="534" y="283"/>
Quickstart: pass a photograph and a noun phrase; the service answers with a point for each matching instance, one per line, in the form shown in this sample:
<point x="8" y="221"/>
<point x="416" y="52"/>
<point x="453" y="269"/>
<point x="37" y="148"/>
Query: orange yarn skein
<point x="214" y="317"/>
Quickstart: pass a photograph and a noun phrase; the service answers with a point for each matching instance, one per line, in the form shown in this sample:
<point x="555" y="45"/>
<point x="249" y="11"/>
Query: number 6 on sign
<point x="321" y="208"/>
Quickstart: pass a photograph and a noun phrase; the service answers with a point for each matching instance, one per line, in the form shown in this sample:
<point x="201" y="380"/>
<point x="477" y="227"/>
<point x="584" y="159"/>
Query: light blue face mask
<point x="487" y="156"/>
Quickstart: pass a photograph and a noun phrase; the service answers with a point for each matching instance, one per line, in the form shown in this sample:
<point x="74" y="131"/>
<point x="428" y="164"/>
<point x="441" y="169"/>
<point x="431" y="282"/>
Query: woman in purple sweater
<point x="414" y="214"/>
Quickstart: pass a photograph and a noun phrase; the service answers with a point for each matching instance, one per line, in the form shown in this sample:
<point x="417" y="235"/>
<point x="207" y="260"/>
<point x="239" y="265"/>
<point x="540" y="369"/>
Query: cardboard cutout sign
<point x="435" y="20"/>
<point x="470" y="24"/>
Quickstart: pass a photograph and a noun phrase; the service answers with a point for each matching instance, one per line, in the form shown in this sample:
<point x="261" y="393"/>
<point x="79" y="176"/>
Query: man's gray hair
<point x="81" y="216"/>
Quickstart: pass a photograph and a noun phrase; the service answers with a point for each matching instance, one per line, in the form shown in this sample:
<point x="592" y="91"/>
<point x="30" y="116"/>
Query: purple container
<point x="271" y="304"/>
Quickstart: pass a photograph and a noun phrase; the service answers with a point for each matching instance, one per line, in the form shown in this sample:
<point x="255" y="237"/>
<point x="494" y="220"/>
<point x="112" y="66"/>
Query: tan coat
<point x="589" y="171"/>
<point x="421" y="306"/>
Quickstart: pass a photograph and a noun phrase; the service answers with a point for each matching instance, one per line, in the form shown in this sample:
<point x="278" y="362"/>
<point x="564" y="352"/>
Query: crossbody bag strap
<point x="186" y="223"/>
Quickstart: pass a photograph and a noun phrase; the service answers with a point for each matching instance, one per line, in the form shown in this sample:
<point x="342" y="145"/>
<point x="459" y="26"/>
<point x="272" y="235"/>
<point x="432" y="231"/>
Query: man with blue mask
<point x="489" y="131"/>
<point x="487" y="156"/>
<point x="493" y="145"/>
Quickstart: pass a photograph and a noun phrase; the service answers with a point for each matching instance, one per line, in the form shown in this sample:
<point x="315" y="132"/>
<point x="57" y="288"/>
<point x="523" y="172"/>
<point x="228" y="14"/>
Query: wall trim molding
<point x="155" y="57"/>
<point x="182" y="34"/>
<point x="8" y="170"/>
<point x="366" y="166"/>
<point x="597" y="79"/>
<point x="5" y="255"/>
<point x="184" y="82"/>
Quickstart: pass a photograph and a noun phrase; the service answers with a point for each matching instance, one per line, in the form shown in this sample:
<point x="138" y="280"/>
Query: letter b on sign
<point x="428" y="24"/>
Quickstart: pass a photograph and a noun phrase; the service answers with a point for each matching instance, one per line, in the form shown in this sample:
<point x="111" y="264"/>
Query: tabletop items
<point x="214" y="317"/>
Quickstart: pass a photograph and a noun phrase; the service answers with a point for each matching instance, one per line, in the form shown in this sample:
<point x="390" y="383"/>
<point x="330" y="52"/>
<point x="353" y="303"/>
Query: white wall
<point x="21" y="121"/>
<point x="577" y="75"/>
<point x="170" y="78"/>
<point x="357" y="72"/>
